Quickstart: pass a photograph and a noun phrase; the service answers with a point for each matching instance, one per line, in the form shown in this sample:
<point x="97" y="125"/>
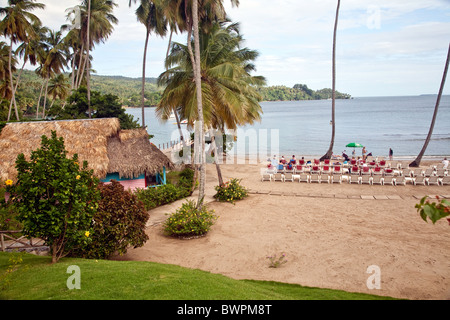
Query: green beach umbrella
<point x="354" y="145"/>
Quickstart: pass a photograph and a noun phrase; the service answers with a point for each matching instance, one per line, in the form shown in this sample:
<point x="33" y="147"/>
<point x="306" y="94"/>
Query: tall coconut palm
<point x="151" y="14"/>
<point x="329" y="153"/>
<point x="58" y="88"/>
<point x="5" y="87"/>
<point x="228" y="90"/>
<point x="17" y="26"/>
<point x="416" y="162"/>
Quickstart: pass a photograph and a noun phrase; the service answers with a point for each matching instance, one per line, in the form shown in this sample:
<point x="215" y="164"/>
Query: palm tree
<point x="17" y="25"/>
<point x="228" y="90"/>
<point x="58" y="88"/>
<point x="416" y="162"/>
<point x="151" y="14"/>
<point x="333" y="102"/>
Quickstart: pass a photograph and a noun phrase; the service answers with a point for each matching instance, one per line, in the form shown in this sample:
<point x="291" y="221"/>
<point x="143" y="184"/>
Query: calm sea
<point x="303" y="127"/>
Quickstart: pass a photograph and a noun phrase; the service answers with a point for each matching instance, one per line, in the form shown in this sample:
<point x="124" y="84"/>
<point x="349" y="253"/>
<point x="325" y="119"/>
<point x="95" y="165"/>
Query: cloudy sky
<point x="384" y="47"/>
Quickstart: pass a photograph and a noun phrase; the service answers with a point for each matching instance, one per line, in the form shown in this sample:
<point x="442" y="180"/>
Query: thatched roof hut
<point x="131" y="154"/>
<point x="100" y="142"/>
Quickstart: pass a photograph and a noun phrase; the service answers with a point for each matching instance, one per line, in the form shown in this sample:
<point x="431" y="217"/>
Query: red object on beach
<point x="316" y="161"/>
<point x="301" y="162"/>
<point x="327" y="161"/>
<point x="337" y="168"/>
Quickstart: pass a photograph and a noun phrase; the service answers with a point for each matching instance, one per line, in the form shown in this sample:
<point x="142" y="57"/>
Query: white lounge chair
<point x="429" y="172"/>
<point x="417" y="172"/>
<point x="304" y="177"/>
<point x="336" y="177"/>
<point x="266" y="177"/>
<point x="440" y="172"/>
<point x="400" y="180"/>
<point x="388" y="180"/>
<point x="365" y="179"/>
<point x="278" y="177"/>
<point x="353" y="178"/>
<point x="445" y="180"/>
<point x="406" y="172"/>
<point x="420" y="180"/>
<point x="314" y="177"/>
<point x="433" y="180"/>
<point x="377" y="179"/>
<point x="288" y="176"/>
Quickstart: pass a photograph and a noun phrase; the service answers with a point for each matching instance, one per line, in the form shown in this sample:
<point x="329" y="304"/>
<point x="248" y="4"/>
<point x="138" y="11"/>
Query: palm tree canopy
<point x="228" y="90"/>
<point x="18" y="20"/>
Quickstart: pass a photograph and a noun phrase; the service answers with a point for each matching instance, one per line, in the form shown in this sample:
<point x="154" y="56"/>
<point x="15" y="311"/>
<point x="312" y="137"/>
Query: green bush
<point x="8" y="214"/>
<point x="158" y="196"/>
<point x="55" y="198"/>
<point x="118" y="223"/>
<point x="188" y="221"/>
<point x="231" y="191"/>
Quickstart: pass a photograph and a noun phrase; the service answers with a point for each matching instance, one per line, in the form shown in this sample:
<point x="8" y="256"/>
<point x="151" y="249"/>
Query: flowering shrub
<point x="55" y="197"/>
<point x="231" y="191"/>
<point x="277" y="261"/>
<point x="118" y="223"/>
<point x="188" y="221"/>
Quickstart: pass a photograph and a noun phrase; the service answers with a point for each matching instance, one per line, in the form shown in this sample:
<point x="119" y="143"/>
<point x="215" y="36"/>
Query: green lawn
<point x="36" y="279"/>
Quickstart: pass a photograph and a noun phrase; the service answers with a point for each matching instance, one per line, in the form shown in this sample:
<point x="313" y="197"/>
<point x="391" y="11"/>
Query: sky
<point x="384" y="47"/>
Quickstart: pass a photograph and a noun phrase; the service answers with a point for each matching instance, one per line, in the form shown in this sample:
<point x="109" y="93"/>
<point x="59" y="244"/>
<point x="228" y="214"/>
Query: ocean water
<point x="303" y="128"/>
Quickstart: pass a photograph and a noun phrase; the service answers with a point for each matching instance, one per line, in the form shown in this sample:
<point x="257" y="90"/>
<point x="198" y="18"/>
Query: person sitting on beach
<point x="283" y="160"/>
<point x="274" y="161"/>
<point x="345" y="156"/>
<point x="445" y="162"/>
<point x="280" y="165"/>
<point x="293" y="160"/>
<point x="289" y="166"/>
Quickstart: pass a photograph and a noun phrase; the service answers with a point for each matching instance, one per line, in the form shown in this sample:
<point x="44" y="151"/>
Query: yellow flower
<point x="9" y="182"/>
<point x="78" y="177"/>
<point x="87" y="234"/>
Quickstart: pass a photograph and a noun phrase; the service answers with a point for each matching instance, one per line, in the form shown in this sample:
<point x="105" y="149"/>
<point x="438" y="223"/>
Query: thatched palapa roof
<point x="90" y="139"/>
<point x="131" y="154"/>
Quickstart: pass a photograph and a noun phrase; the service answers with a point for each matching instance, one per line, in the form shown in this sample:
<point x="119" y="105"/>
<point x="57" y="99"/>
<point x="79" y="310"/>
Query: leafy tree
<point x="56" y="197"/>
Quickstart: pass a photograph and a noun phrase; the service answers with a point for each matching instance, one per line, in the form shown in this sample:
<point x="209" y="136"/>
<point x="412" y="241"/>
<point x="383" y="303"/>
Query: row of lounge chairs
<point x="337" y="177"/>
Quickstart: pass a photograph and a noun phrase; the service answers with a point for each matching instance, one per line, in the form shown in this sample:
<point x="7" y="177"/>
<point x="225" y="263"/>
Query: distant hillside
<point x="129" y="90"/>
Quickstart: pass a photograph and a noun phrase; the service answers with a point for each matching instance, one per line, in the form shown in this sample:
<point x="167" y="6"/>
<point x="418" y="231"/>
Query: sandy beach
<point x="331" y="234"/>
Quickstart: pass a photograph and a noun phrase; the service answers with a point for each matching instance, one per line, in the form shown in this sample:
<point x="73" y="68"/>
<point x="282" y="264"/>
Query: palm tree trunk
<point x="175" y="111"/>
<point x="39" y="100"/>
<point x="45" y="96"/>
<point x="88" y="72"/>
<point x="417" y="161"/>
<point x="13" y="98"/>
<point x="15" y="88"/>
<point x="216" y="157"/>
<point x="143" y="76"/>
<point x="80" y="65"/>
<point x="333" y="102"/>
<point x="199" y="127"/>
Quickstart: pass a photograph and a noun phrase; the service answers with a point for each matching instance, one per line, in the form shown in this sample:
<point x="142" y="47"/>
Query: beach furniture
<point x="400" y="180"/>
<point x="314" y="177"/>
<point x="388" y="180"/>
<point x="445" y="180"/>
<point x="315" y="169"/>
<point x="365" y="179"/>
<point x="316" y="162"/>
<point x="419" y="180"/>
<point x="377" y="179"/>
<point x="433" y="180"/>
<point x="365" y="171"/>
<point x="382" y="163"/>
<point x="428" y="172"/>
<point x="266" y="177"/>
<point x="325" y="170"/>
<point x="417" y="172"/>
<point x="299" y="169"/>
<point x="353" y="178"/>
<point x="406" y="172"/>
<point x="304" y="177"/>
<point x="336" y="177"/>
<point x="388" y="172"/>
<point x="440" y="172"/>
<point x="377" y="171"/>
<point x="278" y="176"/>
<point x="288" y="176"/>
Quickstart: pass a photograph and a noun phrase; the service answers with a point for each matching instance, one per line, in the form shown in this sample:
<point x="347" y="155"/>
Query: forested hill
<point x="129" y="90"/>
<point x="298" y="92"/>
